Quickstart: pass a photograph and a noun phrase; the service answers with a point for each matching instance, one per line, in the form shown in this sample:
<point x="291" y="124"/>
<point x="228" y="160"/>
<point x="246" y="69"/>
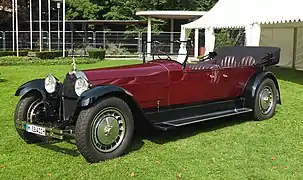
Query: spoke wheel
<point x="105" y="130"/>
<point x="265" y="100"/>
<point x="108" y="129"/>
<point x="36" y="111"/>
<point x="31" y="109"/>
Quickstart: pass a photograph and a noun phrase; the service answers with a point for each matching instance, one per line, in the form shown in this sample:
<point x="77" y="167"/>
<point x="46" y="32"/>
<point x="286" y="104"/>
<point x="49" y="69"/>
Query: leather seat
<point x="247" y="61"/>
<point x="228" y="61"/>
<point x="203" y="66"/>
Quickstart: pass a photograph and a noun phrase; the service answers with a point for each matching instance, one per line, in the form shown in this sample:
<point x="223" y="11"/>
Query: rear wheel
<point x="265" y="100"/>
<point x="105" y="130"/>
<point x="30" y="109"/>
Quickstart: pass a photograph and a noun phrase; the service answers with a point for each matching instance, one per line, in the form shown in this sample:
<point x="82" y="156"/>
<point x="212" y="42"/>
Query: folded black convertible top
<point x="266" y="55"/>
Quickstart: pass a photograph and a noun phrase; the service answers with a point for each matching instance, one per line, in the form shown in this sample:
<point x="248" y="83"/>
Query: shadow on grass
<point x="52" y="145"/>
<point x="194" y="129"/>
<point x="3" y="80"/>
<point x="74" y="152"/>
<point x="160" y="137"/>
<point x="288" y="74"/>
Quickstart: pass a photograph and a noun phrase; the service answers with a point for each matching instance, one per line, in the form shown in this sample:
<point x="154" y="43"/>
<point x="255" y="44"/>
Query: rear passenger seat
<point x="247" y="61"/>
<point x="203" y="65"/>
<point x="231" y="61"/>
<point x="226" y="62"/>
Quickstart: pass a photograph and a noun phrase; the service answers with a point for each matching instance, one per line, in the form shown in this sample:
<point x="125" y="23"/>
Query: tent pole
<point x="63" y="28"/>
<point x="196" y="43"/>
<point x="295" y="48"/>
<point x="210" y="40"/>
<point x="149" y="36"/>
<point x="13" y="19"/>
<point x="40" y="27"/>
<point x="31" y="23"/>
<point x="49" y="27"/>
<point x="17" y="29"/>
<point x="172" y="35"/>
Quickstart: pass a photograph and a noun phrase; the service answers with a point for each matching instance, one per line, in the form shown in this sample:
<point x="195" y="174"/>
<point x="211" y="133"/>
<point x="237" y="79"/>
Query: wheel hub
<point x="266" y="100"/>
<point x="108" y="130"/>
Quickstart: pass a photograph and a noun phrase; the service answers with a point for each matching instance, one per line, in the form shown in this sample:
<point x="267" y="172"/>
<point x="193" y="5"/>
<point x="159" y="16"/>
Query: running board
<point x="204" y="117"/>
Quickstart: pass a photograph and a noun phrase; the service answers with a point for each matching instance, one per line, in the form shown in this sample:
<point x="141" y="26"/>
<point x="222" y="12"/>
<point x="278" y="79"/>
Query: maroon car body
<point x="164" y="81"/>
<point x="102" y="107"/>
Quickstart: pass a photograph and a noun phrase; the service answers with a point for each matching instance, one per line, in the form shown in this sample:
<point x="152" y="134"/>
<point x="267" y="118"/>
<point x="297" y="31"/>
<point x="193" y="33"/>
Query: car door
<point x="230" y="73"/>
<point x="227" y="83"/>
<point x="194" y="84"/>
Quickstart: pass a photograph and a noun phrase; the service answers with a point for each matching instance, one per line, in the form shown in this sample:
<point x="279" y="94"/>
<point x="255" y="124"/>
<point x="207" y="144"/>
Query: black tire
<point x="90" y="122"/>
<point x="266" y="87"/>
<point x="21" y="112"/>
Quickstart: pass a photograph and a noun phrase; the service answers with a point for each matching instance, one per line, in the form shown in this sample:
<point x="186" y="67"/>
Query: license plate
<point x="35" y="129"/>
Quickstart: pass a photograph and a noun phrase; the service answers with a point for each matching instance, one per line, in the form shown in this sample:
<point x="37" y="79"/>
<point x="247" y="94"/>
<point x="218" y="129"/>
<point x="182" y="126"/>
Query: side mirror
<point x="212" y="54"/>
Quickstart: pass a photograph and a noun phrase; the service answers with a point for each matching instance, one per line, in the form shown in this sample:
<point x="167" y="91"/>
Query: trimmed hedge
<point x="15" y="61"/>
<point x="13" y="53"/>
<point x="93" y="53"/>
<point x="97" y="53"/>
<point x="49" y="54"/>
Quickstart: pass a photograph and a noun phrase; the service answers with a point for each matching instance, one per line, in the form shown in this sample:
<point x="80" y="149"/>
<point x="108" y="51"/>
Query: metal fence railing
<point x="115" y="42"/>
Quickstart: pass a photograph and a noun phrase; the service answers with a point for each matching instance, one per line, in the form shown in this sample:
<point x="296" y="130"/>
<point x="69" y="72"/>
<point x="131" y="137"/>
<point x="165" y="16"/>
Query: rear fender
<point x="34" y="85"/>
<point x="253" y="84"/>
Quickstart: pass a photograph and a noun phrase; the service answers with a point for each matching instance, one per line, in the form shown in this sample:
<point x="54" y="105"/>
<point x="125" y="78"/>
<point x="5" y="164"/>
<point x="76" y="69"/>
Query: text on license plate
<point x="35" y="129"/>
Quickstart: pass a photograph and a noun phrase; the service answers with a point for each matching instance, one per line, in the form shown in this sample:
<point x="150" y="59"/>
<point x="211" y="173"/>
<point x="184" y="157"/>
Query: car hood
<point x="129" y="74"/>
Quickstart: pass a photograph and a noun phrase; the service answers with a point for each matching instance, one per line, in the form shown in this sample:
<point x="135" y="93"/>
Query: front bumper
<point x="49" y="132"/>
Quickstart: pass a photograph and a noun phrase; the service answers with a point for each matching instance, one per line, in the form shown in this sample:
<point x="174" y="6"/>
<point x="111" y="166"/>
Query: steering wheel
<point x="164" y="54"/>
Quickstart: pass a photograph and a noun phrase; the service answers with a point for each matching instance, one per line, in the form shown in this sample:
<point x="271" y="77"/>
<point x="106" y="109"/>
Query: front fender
<point x="91" y="96"/>
<point x="255" y="81"/>
<point x="34" y="85"/>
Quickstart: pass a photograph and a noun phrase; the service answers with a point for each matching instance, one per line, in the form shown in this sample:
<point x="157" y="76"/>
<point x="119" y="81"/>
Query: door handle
<point x="225" y="75"/>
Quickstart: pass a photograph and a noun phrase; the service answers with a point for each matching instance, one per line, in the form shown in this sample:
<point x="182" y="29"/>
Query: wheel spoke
<point x="36" y="112"/>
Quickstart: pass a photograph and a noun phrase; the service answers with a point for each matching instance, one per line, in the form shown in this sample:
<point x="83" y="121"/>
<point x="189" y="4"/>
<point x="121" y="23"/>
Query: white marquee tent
<point x="266" y="22"/>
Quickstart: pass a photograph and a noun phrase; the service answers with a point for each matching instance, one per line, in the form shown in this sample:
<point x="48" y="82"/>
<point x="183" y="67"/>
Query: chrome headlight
<point x="81" y="85"/>
<point x="50" y="83"/>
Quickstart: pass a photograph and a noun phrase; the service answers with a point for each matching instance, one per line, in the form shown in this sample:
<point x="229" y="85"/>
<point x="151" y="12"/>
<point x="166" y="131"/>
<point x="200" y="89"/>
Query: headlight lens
<point x="50" y="83"/>
<point x="81" y="85"/>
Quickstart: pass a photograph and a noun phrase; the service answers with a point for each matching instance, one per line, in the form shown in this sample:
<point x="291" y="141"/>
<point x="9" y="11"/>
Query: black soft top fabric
<point x="259" y="53"/>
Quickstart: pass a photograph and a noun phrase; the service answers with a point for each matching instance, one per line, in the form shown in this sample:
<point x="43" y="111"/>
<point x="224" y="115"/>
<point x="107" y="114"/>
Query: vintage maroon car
<point x="102" y="107"/>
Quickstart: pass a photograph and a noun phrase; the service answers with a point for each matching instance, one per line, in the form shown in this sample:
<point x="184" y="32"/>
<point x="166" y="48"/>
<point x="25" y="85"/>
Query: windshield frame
<point x="157" y="44"/>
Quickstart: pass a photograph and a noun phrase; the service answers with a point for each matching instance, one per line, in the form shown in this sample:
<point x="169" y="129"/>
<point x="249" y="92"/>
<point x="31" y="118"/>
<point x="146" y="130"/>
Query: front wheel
<point x="30" y="109"/>
<point x="265" y="100"/>
<point x="105" y="130"/>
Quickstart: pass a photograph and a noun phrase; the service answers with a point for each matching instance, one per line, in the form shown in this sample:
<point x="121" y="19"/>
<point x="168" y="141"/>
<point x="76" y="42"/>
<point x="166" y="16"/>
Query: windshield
<point x="167" y="50"/>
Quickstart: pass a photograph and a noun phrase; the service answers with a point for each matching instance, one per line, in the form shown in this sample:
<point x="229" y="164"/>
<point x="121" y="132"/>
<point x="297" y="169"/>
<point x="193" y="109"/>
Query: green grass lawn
<point x="229" y="148"/>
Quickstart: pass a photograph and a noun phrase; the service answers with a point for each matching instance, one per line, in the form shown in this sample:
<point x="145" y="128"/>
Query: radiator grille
<point x="69" y="96"/>
<point x="68" y="86"/>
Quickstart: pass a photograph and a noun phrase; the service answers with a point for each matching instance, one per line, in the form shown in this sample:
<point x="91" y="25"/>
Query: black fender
<point x="34" y="85"/>
<point x="93" y="95"/>
<point x="253" y="84"/>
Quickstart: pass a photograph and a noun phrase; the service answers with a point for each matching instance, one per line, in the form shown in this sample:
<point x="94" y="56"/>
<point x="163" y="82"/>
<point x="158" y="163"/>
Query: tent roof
<point x="239" y="13"/>
<point x="171" y="14"/>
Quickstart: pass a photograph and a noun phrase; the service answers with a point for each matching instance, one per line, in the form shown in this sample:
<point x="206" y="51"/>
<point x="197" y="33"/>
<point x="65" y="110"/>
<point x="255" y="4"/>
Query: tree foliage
<point x="83" y="9"/>
<point x="125" y="10"/>
<point x="104" y="9"/>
